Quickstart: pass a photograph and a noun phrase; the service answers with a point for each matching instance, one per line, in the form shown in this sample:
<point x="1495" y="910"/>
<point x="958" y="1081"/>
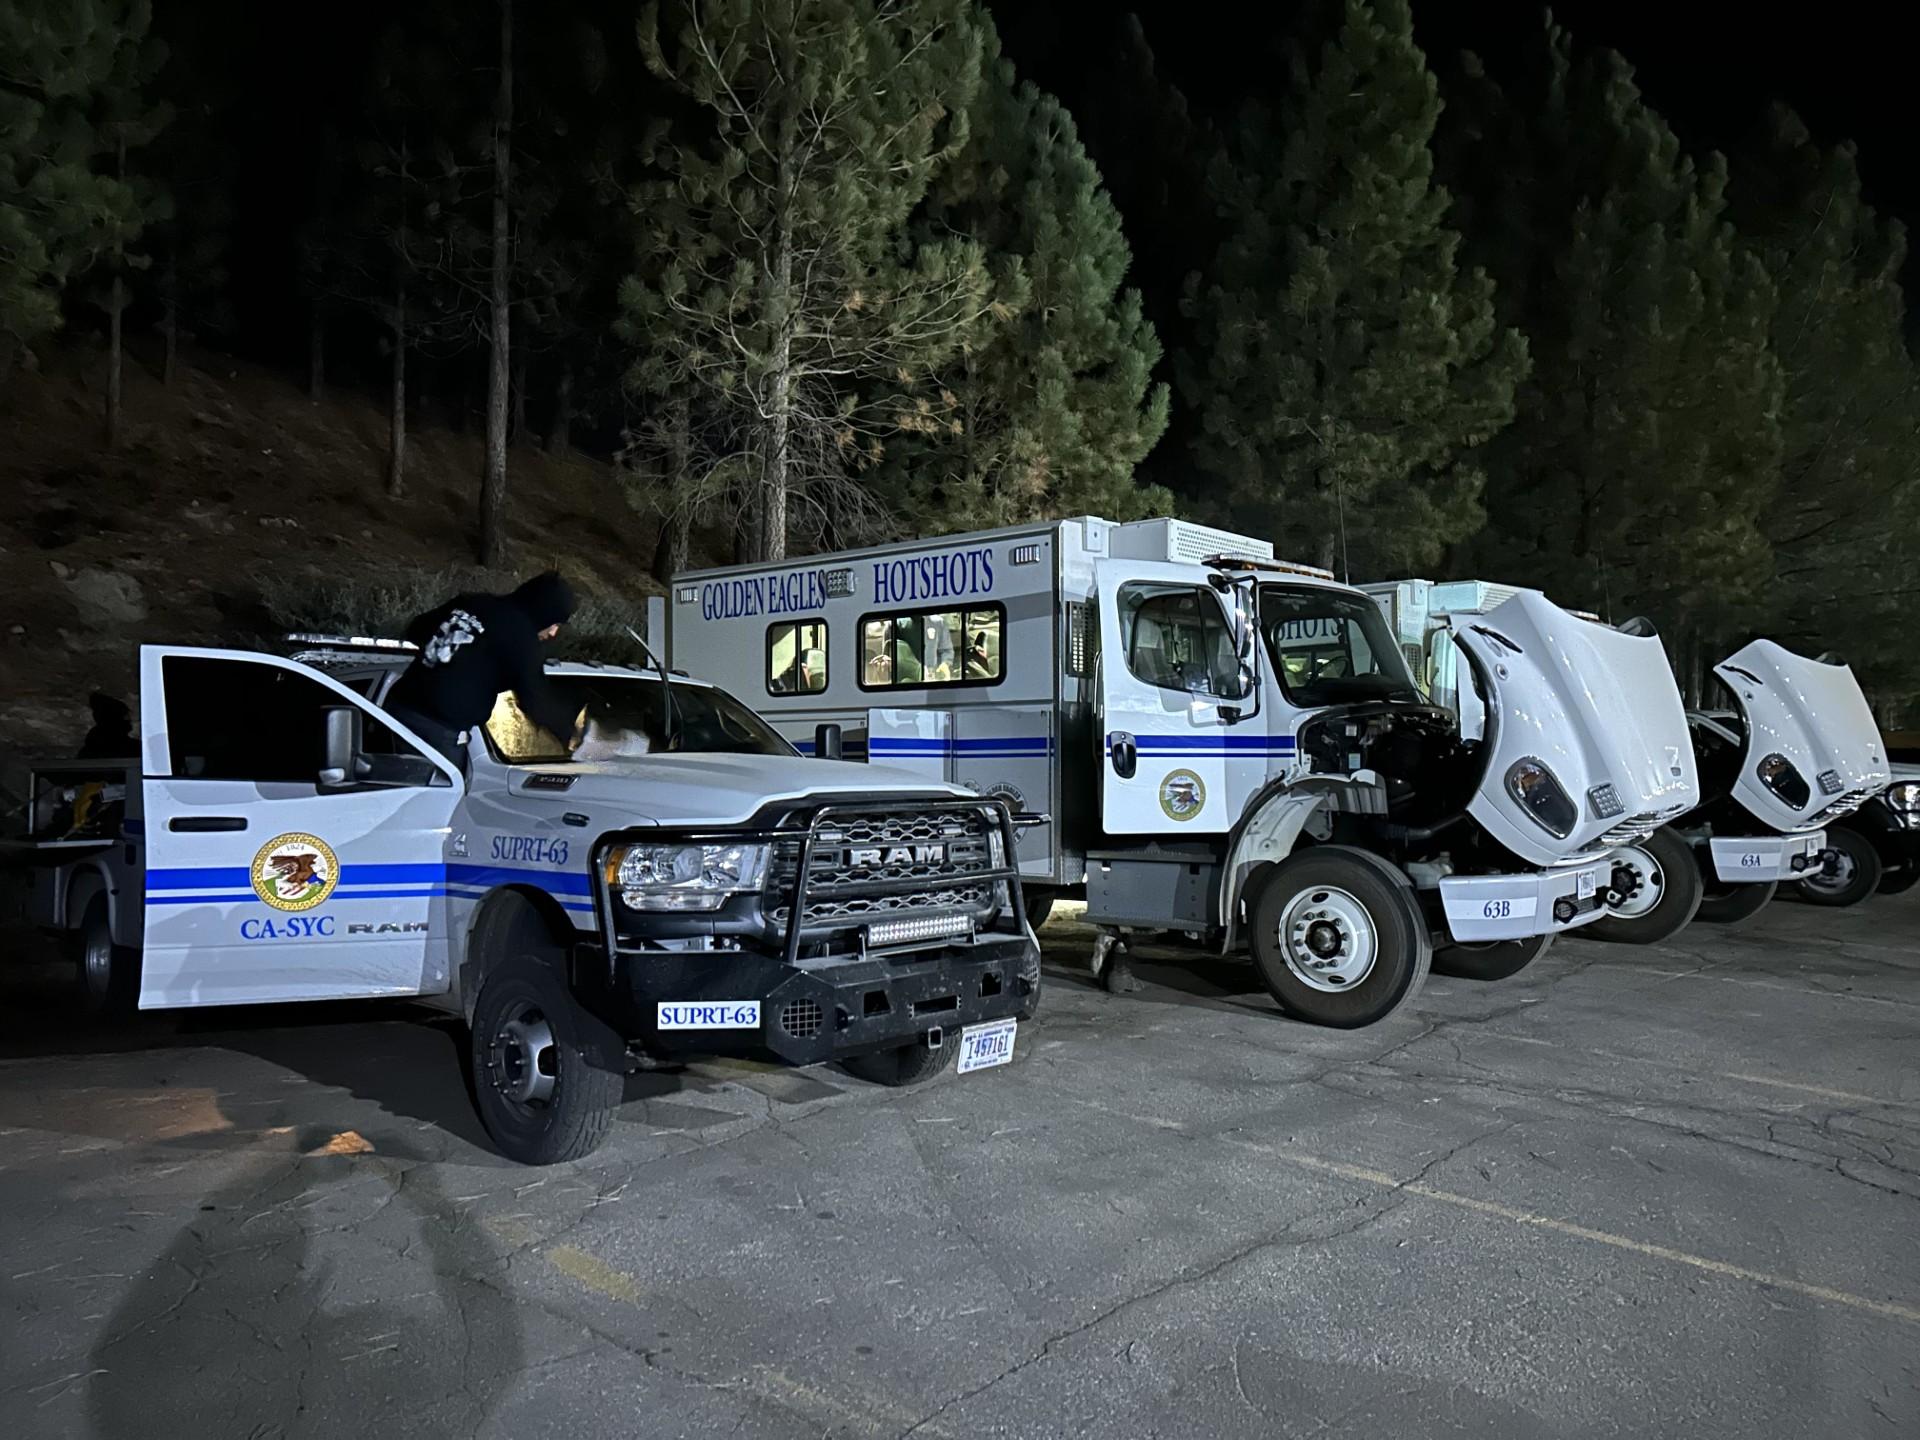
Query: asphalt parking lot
<point x="1667" y="1191"/>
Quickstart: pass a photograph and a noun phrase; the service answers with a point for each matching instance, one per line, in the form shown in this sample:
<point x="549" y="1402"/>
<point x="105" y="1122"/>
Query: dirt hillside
<point x="231" y="474"/>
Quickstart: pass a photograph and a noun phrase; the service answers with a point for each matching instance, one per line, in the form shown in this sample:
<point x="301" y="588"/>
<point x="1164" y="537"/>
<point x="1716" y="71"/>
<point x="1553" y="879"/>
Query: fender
<point x="89" y="879"/>
<point x="1266" y="834"/>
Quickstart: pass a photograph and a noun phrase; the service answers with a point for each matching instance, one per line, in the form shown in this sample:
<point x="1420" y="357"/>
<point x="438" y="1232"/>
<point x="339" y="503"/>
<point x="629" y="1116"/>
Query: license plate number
<point x="1583" y="885"/>
<point x="984" y="1046"/>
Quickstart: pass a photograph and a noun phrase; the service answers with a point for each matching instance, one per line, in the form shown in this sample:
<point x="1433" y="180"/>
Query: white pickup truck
<point x="281" y="838"/>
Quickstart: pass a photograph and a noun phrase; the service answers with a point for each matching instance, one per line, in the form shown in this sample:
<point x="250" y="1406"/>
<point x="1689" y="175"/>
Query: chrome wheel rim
<point x="522" y="1058"/>
<point x="96" y="962"/>
<point x="1328" y="939"/>
<point x="1650" y="883"/>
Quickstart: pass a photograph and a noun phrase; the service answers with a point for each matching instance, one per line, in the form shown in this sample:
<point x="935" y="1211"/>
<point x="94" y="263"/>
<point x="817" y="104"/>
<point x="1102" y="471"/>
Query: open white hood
<point x="1596" y="707"/>
<point x="1817" y="718"/>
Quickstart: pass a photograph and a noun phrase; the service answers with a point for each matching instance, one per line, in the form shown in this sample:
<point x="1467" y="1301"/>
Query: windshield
<point x="628" y="716"/>
<point x="1331" y="649"/>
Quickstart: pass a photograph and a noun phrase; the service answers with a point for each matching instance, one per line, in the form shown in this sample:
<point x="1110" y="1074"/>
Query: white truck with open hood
<point x="1804" y="733"/>
<point x="1799" y="752"/>
<point x="1207" y="742"/>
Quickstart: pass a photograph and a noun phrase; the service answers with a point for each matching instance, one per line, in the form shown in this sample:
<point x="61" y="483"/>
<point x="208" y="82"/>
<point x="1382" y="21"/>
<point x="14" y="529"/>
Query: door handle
<point x="1126" y="755"/>
<point x="200" y="824"/>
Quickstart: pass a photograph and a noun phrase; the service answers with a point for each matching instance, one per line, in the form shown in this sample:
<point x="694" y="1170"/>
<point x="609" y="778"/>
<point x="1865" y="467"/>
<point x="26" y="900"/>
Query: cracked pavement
<point x="1660" y="1191"/>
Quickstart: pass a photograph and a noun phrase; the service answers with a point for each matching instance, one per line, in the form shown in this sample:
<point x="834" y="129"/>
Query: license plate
<point x="1583" y="884"/>
<point x="984" y="1046"/>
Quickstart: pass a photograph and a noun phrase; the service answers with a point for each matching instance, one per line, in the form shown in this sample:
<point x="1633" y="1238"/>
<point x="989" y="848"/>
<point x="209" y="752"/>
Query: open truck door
<point x="296" y="838"/>
<point x="1184" y="740"/>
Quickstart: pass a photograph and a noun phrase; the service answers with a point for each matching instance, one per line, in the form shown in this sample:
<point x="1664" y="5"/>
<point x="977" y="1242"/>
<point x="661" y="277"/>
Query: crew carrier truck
<point x="700" y="889"/>
<point x="1798" y="752"/>
<point x="1214" y="744"/>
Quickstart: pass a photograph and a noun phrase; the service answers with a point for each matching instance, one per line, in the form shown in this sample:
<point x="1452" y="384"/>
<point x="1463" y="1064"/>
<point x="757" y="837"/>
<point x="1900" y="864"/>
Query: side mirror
<point x="341" y="762"/>
<point x="826" y="742"/>
<point x="1243" y="626"/>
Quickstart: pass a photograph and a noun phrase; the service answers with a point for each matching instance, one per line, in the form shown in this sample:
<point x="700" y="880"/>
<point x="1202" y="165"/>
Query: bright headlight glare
<point x="1542" y="797"/>
<point x="684" y="877"/>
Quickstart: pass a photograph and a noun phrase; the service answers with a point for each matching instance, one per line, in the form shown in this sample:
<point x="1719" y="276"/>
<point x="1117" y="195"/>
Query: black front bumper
<point x="685" y="1004"/>
<point x="682" y="985"/>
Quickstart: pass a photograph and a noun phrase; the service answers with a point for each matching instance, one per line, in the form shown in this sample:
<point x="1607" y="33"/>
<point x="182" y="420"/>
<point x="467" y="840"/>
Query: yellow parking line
<point x="594" y="1273"/>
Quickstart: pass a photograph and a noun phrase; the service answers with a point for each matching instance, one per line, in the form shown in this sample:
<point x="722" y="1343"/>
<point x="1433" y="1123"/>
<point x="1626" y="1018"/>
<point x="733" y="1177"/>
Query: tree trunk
<point x="316" y="350"/>
<point x="117" y="303"/>
<point x="517" y="430"/>
<point x="397" y="418"/>
<point x="772" y="539"/>
<point x="560" y="431"/>
<point x="169" y="321"/>
<point x="493" y="480"/>
<point x="672" y="551"/>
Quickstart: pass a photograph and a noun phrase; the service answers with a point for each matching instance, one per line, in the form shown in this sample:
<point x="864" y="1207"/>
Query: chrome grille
<point x="1843" y="807"/>
<point x="886" y="864"/>
<point x="1635" y="828"/>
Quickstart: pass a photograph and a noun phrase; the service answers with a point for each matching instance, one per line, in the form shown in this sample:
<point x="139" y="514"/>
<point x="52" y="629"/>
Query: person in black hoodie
<point x="472" y="648"/>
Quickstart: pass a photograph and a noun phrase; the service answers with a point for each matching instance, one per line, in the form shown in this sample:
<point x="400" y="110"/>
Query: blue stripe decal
<point x="560" y="882"/>
<point x="1034" y="745"/>
<point x="248" y="898"/>
<point x="209" y="878"/>
<point x="214" y="877"/>
<point x="1213" y="744"/>
<point x="585" y="907"/>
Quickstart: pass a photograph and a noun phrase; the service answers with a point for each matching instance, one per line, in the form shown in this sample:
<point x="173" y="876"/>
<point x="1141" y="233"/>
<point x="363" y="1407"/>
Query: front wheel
<point x="1039" y="906"/>
<point x="1851" y="873"/>
<point x="1338" y="937"/>
<point x="1900" y="879"/>
<point x="540" y="1096"/>
<point x="1736" y="903"/>
<point x="1654" y="892"/>
<point x="1495" y="960"/>
<point x="903" y="1065"/>
<point x="109" y="974"/>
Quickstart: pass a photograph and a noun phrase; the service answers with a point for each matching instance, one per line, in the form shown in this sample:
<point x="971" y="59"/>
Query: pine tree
<point x="1052" y="413"/>
<point x="790" y="283"/>
<point x="1345" y="369"/>
<point x="1846" y="522"/>
<point x="59" y="209"/>
<point x="1646" y="448"/>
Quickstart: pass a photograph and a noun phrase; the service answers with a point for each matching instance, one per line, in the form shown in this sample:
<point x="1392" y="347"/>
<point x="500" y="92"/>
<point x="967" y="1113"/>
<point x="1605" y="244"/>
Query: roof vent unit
<point x="1182" y="542"/>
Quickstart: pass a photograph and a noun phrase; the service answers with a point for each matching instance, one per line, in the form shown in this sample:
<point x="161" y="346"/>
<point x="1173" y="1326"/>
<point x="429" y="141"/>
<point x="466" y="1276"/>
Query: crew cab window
<point x="797" y="657"/>
<point x="914" y="650"/>
<point x="242" y="720"/>
<point x="1176" y="638"/>
<point x="1331" y="648"/>
<point x="630" y="717"/>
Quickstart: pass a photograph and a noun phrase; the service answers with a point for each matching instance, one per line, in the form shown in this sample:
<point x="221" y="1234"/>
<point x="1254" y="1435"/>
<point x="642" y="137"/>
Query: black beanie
<point x="547" y="599"/>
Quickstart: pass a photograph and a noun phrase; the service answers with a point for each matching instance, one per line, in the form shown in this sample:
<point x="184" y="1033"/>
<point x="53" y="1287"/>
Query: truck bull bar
<point x="995" y="811"/>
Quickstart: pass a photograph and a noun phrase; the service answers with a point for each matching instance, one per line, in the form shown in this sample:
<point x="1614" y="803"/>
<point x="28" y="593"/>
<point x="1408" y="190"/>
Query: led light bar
<point x="1829" y="782"/>
<point x="839" y="582"/>
<point x="1605" y="801"/>
<point x="915" y="928"/>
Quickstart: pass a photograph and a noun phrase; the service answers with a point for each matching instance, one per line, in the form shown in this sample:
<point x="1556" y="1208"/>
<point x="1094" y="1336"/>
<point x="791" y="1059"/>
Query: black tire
<point x="1344" y="878"/>
<point x="903" y="1065"/>
<point x="1665" y="862"/>
<point x="1859" y="872"/>
<point x="1900" y="879"/>
<point x="543" y="1093"/>
<point x="1732" y="904"/>
<point x="1495" y="960"/>
<point x="1039" y="905"/>
<point x="107" y="974"/>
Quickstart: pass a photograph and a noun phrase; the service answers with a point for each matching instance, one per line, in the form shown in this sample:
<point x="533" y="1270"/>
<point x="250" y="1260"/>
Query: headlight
<point x="1904" y="797"/>
<point x="1776" y="772"/>
<point x="1540" y="795"/>
<point x="683" y="877"/>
